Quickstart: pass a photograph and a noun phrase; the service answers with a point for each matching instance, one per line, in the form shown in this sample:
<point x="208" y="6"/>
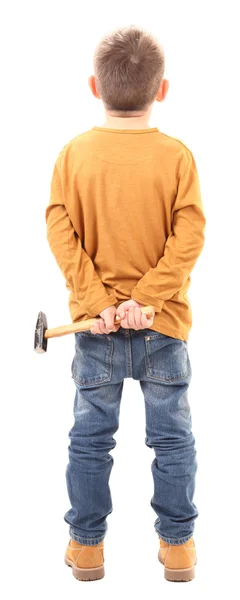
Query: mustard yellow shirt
<point x="125" y="220"/>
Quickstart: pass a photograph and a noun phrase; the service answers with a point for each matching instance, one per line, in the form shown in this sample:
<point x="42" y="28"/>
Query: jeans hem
<point x="175" y="541"/>
<point x="86" y="541"/>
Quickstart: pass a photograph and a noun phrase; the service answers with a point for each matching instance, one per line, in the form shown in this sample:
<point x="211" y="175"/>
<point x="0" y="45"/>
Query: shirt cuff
<point x="144" y="299"/>
<point x="100" y="305"/>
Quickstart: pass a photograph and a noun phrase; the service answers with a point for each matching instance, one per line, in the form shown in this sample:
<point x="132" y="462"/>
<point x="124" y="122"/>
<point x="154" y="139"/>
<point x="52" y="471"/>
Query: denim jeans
<point x="162" y="366"/>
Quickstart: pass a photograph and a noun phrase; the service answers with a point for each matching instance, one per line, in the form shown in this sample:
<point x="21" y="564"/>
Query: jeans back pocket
<point x="166" y="358"/>
<point x="92" y="362"/>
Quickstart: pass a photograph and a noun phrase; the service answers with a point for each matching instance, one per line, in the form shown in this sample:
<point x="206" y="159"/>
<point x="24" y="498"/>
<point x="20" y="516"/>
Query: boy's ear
<point x="92" y="85"/>
<point x="163" y="89"/>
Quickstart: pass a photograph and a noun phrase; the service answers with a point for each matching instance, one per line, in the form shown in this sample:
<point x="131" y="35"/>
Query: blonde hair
<point x="128" y="66"/>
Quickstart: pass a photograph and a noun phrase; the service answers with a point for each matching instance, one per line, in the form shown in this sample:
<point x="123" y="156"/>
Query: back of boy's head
<point x="129" y="66"/>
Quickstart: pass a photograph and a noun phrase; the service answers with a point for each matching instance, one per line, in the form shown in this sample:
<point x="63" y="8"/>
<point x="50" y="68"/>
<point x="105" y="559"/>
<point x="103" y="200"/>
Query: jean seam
<point x="82" y="540"/>
<point x="175" y="541"/>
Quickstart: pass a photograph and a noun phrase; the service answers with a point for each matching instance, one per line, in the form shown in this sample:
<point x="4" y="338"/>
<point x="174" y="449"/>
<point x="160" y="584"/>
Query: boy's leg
<point x="169" y="433"/>
<point x="96" y="419"/>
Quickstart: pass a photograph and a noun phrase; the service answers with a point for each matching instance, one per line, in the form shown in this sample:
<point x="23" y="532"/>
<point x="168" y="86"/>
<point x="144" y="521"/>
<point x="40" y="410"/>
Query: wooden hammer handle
<point x="84" y="325"/>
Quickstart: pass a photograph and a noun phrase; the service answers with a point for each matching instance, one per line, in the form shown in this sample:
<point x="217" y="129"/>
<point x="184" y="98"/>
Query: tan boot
<point x="86" y="561"/>
<point x="178" y="561"/>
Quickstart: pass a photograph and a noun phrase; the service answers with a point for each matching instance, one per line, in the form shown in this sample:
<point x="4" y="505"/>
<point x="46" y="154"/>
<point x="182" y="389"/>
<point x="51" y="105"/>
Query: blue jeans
<point x="99" y="367"/>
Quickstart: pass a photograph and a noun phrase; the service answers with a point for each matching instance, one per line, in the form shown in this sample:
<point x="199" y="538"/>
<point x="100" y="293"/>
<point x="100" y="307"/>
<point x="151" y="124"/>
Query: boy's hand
<point x="132" y="317"/>
<point x="106" y="323"/>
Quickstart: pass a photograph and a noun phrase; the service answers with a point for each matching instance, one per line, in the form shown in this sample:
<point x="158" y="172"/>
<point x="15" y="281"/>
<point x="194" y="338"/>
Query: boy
<point x="125" y="223"/>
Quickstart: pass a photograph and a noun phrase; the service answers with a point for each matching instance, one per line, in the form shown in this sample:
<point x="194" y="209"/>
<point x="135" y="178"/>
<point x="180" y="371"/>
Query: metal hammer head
<point x="40" y="342"/>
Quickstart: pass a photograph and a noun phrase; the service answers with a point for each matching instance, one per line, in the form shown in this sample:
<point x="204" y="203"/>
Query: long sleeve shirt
<point x="125" y="220"/>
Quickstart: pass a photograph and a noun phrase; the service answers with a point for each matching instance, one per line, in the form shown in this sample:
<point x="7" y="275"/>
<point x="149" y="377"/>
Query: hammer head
<point x="40" y="342"/>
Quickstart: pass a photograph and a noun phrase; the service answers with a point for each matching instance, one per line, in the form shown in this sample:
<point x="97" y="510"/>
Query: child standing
<point x="125" y="223"/>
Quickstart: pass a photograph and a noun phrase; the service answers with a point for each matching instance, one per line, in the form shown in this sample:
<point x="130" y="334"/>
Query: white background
<point x="46" y="57"/>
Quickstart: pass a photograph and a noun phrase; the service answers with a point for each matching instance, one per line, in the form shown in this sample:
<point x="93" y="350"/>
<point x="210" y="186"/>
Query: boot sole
<point x="85" y="574"/>
<point x="178" y="574"/>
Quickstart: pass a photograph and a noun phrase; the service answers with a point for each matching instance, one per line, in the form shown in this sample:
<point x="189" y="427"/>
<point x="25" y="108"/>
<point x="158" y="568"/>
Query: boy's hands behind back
<point x="106" y="323"/>
<point x="131" y="317"/>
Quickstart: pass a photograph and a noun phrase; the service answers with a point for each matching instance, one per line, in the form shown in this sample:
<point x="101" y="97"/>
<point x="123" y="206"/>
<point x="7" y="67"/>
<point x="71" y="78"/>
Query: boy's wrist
<point x="147" y="300"/>
<point x="100" y="305"/>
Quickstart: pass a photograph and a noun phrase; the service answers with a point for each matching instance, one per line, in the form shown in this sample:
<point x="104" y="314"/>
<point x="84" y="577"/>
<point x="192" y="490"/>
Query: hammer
<point x="42" y="333"/>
